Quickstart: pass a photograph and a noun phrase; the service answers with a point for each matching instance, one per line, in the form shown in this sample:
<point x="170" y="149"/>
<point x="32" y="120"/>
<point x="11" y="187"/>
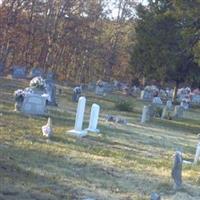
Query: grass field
<point x="123" y="162"/>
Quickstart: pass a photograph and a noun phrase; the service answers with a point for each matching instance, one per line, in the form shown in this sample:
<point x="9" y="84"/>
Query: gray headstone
<point x="99" y="90"/>
<point x="155" y="196"/>
<point x="177" y="170"/>
<point x="51" y="90"/>
<point x="76" y="94"/>
<point x="36" y="72"/>
<point x="50" y="76"/>
<point x="178" y="112"/>
<point x="1" y="68"/>
<point x="34" y="104"/>
<point x="18" y="72"/>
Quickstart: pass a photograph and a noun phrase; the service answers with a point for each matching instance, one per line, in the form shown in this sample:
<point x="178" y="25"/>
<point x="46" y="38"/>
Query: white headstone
<point x="79" y="118"/>
<point x="197" y="155"/>
<point x="145" y="114"/>
<point x="94" y="116"/>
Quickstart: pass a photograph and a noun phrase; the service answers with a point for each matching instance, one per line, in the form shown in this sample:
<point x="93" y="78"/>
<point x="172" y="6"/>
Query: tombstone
<point x="177" y="170"/>
<point x="197" y="155"/>
<point x="76" y="94"/>
<point x="99" y="90"/>
<point x="18" y="72"/>
<point x="155" y="196"/>
<point x="34" y="104"/>
<point x="79" y="118"/>
<point x="178" y="112"/>
<point x="47" y="129"/>
<point x="94" y="116"/>
<point x="157" y="101"/>
<point x="169" y="104"/>
<point x="184" y="104"/>
<point x="36" y="72"/>
<point x="145" y="114"/>
<point x="195" y="99"/>
<point x="50" y="76"/>
<point x="1" y="68"/>
<point x="51" y="91"/>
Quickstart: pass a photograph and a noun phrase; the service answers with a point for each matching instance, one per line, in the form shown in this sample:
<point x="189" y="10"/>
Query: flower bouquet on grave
<point x="38" y="83"/>
<point x="19" y="98"/>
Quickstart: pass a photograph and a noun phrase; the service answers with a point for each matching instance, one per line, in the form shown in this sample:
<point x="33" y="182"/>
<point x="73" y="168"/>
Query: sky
<point x="115" y="10"/>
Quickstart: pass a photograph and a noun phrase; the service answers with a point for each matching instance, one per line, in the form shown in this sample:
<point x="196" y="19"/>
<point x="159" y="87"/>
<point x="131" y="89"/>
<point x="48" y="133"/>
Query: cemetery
<point x="90" y="150"/>
<point x="100" y="100"/>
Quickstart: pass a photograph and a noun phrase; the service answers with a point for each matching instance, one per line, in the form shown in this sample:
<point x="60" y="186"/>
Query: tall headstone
<point x="51" y="91"/>
<point x="1" y="68"/>
<point x="79" y="118"/>
<point x="197" y="155"/>
<point x="76" y="93"/>
<point x="94" y="116"/>
<point x="177" y="170"/>
<point x="145" y="114"/>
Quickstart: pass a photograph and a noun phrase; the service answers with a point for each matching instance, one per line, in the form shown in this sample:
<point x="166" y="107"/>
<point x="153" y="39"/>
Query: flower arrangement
<point x="38" y="82"/>
<point x="19" y="95"/>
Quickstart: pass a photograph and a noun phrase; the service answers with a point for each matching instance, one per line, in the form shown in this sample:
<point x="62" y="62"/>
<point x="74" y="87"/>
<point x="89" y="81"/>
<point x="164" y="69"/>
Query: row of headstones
<point x="167" y="112"/>
<point x="94" y="116"/>
<point x="21" y="72"/>
<point x="78" y="127"/>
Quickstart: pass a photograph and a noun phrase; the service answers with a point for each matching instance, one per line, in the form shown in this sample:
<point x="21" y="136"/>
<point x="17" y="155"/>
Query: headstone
<point x="178" y="112"/>
<point x="47" y="129"/>
<point x="197" y="155"/>
<point x="1" y="68"/>
<point x="76" y="93"/>
<point x="99" y="90"/>
<point x="79" y="118"/>
<point x="34" y="104"/>
<point x="94" y="116"/>
<point x="155" y="196"/>
<point x="36" y="72"/>
<point x="50" y="76"/>
<point x="157" y="101"/>
<point x="145" y="114"/>
<point x="184" y="104"/>
<point x="169" y="104"/>
<point x="19" y="72"/>
<point x="177" y="170"/>
<point x="195" y="99"/>
<point x="51" y="91"/>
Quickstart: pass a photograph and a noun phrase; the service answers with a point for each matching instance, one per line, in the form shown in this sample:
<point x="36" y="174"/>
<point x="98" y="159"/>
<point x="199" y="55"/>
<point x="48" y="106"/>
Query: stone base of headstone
<point x="78" y="133"/>
<point x="93" y="130"/>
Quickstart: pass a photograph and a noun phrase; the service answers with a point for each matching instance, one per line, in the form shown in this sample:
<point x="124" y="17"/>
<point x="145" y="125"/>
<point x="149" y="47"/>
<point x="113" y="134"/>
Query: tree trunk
<point x="175" y="92"/>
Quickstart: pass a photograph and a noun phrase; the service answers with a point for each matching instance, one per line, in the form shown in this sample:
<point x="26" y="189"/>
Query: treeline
<point x="77" y="39"/>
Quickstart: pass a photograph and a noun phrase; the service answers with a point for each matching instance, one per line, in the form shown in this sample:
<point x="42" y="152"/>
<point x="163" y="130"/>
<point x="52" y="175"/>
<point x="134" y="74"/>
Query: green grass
<point x="122" y="162"/>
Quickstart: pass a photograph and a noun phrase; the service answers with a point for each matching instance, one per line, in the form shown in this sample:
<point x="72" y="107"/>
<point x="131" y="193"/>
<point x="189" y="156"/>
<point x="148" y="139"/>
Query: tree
<point x="161" y="49"/>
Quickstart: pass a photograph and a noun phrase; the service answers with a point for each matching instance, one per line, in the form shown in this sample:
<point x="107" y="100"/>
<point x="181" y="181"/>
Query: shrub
<point x="124" y="105"/>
